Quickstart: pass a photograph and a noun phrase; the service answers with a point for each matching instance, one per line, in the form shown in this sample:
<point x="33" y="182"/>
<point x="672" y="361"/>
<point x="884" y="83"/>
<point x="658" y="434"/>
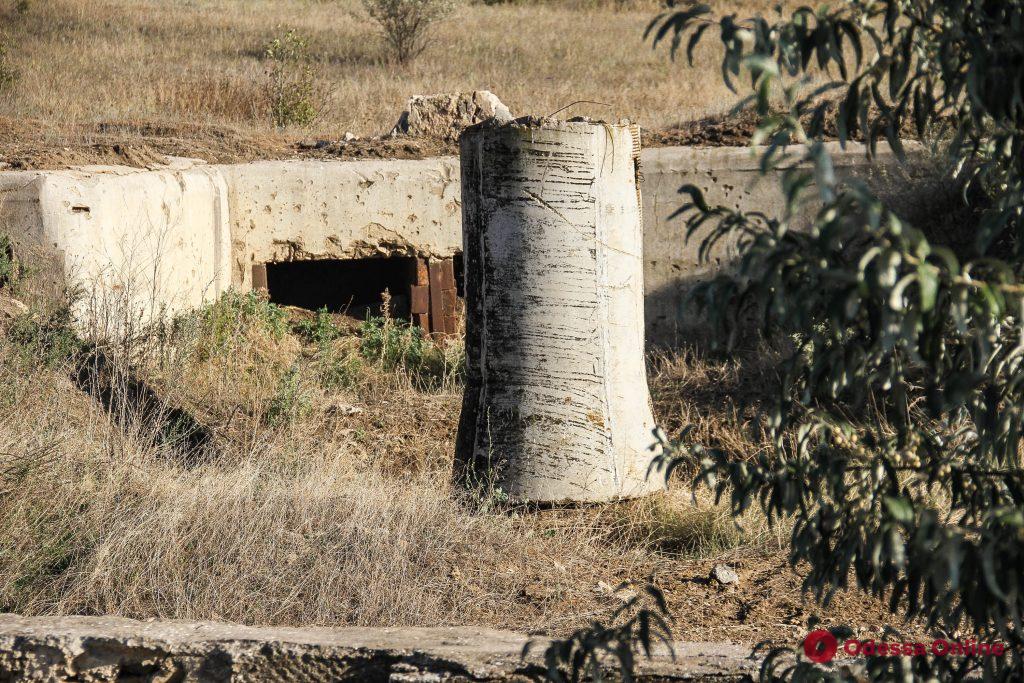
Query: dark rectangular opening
<point x="351" y="286"/>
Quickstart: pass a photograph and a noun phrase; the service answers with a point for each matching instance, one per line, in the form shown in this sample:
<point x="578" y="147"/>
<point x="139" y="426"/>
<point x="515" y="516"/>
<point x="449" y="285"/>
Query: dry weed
<point x="339" y="511"/>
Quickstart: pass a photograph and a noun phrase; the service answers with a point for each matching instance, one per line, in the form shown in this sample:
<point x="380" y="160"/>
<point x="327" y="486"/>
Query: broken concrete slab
<point x="102" y="649"/>
<point x="446" y="115"/>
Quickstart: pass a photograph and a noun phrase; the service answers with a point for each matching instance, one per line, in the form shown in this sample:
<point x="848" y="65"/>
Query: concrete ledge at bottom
<point x="116" y="649"/>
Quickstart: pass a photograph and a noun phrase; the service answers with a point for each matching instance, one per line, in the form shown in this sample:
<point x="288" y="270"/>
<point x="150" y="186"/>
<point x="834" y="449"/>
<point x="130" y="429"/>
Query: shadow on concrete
<point x="919" y="191"/>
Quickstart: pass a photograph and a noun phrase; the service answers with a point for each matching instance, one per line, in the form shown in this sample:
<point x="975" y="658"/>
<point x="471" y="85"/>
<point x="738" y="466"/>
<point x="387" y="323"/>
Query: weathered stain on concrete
<point x="169" y="238"/>
<point x="556" y="405"/>
<point x="101" y="649"/>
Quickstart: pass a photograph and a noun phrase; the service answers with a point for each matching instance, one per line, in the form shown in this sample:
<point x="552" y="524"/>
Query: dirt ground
<point x="31" y="145"/>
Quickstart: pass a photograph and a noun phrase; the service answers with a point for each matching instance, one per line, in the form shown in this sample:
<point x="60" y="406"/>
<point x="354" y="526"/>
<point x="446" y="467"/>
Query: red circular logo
<point x="820" y="646"/>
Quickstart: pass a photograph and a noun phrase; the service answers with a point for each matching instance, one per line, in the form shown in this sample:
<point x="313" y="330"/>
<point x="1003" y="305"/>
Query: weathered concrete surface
<point x="100" y="649"/>
<point x="139" y="242"/>
<point x="729" y="176"/>
<point x="556" y="405"/>
<point x="296" y="210"/>
<point x="167" y="239"/>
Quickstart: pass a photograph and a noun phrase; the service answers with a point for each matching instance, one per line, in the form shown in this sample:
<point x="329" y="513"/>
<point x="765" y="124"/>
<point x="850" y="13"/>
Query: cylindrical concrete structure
<point x="556" y="407"/>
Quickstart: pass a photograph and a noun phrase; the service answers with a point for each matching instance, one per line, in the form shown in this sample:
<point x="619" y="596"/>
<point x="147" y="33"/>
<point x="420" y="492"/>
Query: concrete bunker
<point x="165" y="240"/>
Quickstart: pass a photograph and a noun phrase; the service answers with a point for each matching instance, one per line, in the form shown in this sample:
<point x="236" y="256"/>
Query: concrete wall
<point x="165" y="240"/>
<point x="292" y="210"/>
<point x="137" y="243"/>
<point x="729" y="176"/>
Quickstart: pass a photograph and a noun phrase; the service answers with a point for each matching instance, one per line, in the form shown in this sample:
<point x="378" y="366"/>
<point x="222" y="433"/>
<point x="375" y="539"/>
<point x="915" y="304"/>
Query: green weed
<point x="220" y="323"/>
<point x="397" y="345"/>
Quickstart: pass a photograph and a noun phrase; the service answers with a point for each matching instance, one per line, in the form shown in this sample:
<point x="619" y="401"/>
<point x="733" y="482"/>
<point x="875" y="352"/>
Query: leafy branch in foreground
<point x="900" y="413"/>
<point x="638" y="625"/>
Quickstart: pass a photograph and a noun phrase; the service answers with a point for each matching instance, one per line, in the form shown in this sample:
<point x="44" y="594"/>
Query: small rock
<point x="405" y="672"/>
<point x="11" y="308"/>
<point x="342" y="408"/>
<point x="349" y="136"/>
<point x="625" y="594"/>
<point x="724" y="575"/>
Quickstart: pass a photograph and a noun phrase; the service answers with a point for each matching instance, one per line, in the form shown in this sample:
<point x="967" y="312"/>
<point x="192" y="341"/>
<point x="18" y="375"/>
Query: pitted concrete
<point x="160" y="241"/>
<point x="301" y="210"/>
<point x="101" y="649"/>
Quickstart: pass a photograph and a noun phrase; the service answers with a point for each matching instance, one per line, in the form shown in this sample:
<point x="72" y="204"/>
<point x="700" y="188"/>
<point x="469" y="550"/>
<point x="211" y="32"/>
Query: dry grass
<point x="305" y="511"/>
<point x="89" y="61"/>
<point x="307" y="516"/>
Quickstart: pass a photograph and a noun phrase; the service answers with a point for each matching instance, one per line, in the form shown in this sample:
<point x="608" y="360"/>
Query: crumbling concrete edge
<point x="114" y="648"/>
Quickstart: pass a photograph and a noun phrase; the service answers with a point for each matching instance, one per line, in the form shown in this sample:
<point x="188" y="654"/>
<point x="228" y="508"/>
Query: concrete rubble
<point x="445" y="116"/>
<point x="725" y="575"/>
<point x="99" y="649"/>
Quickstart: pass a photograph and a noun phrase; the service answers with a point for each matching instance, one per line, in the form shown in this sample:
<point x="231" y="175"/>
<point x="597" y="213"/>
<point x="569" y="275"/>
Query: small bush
<point x="321" y="330"/>
<point x="398" y="345"/>
<point x="45" y="339"/>
<point x="406" y="23"/>
<point x="338" y="365"/>
<point x="292" y="91"/>
<point x="220" y="322"/>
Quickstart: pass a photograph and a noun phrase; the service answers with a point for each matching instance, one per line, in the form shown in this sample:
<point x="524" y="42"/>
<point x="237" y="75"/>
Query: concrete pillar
<point x="556" y="407"/>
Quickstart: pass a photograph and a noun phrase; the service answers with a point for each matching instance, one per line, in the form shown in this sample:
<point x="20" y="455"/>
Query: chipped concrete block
<point x="445" y="116"/>
<point x="725" y="575"/>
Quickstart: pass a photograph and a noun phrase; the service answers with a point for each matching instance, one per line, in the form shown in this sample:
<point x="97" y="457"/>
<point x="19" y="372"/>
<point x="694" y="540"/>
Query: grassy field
<point x="324" y="495"/>
<point x="196" y="68"/>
